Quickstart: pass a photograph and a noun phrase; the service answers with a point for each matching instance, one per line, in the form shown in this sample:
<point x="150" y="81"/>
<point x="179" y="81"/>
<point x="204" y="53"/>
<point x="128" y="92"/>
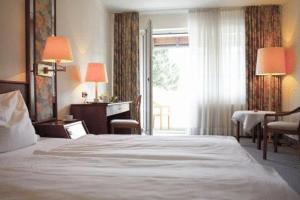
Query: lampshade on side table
<point x="96" y="72"/>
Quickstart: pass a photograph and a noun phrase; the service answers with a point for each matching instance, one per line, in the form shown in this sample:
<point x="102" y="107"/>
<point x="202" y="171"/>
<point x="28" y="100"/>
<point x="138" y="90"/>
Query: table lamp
<point x="57" y="50"/>
<point x="96" y="72"/>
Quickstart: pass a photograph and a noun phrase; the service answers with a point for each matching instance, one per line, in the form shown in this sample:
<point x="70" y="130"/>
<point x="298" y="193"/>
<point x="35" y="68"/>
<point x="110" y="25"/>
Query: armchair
<point x="278" y="127"/>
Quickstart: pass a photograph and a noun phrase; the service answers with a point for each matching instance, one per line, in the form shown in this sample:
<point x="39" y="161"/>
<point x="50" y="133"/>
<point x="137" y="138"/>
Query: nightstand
<point x="61" y="129"/>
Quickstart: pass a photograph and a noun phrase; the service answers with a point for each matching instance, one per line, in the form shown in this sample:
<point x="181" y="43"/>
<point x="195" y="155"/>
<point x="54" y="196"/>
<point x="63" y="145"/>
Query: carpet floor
<point x="286" y="162"/>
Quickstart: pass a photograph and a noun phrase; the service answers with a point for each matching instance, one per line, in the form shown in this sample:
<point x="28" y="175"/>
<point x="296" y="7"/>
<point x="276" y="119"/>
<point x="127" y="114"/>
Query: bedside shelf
<point x="61" y="129"/>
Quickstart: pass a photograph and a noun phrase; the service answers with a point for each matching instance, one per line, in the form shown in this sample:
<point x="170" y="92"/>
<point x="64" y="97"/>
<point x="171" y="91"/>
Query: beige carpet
<point x="286" y="161"/>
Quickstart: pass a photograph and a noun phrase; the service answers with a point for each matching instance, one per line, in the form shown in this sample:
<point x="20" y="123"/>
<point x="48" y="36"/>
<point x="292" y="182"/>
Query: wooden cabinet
<point x="61" y="129"/>
<point x="97" y="116"/>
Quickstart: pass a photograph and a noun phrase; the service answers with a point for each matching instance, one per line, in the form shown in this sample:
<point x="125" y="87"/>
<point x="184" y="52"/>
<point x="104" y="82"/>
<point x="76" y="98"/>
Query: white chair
<point x="279" y="127"/>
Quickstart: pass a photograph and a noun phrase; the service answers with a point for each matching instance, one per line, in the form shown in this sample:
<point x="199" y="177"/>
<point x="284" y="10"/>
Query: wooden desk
<point x="97" y="116"/>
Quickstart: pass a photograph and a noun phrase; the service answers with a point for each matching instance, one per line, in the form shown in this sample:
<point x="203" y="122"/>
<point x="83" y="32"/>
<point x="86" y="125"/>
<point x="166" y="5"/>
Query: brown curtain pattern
<point x="263" y="29"/>
<point x="126" y="57"/>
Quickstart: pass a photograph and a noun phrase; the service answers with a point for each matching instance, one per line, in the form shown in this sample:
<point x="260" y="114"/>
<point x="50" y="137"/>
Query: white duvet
<point x="139" y="168"/>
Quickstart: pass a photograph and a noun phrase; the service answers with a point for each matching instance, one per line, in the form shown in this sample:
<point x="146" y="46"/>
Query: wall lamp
<point x="57" y="50"/>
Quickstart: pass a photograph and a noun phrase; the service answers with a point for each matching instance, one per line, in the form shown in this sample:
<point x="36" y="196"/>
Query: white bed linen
<point x="138" y="168"/>
<point x="14" y="119"/>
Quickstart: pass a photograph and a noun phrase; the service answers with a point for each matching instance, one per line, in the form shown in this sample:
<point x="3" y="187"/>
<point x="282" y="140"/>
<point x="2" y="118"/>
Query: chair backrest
<point x="297" y="110"/>
<point x="137" y="104"/>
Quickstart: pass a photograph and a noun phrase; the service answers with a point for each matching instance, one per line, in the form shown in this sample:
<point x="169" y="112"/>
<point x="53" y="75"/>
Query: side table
<point x="250" y="119"/>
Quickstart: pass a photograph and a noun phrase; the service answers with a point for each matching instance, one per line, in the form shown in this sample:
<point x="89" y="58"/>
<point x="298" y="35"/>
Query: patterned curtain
<point x="263" y="29"/>
<point x="126" y="57"/>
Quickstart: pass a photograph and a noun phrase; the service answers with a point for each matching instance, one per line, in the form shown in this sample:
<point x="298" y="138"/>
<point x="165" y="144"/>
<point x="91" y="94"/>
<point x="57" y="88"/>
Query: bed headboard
<point x="9" y="86"/>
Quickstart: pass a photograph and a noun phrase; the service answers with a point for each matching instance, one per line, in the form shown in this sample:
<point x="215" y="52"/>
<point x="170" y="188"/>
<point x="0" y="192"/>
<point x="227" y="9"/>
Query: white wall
<point x="87" y="24"/>
<point x="291" y="38"/>
<point x="12" y="40"/>
<point x="173" y="20"/>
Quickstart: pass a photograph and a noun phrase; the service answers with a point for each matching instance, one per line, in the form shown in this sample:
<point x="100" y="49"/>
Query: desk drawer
<point x="117" y="109"/>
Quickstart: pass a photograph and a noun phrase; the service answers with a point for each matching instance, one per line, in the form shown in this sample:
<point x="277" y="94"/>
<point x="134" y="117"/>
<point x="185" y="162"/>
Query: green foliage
<point x="165" y="72"/>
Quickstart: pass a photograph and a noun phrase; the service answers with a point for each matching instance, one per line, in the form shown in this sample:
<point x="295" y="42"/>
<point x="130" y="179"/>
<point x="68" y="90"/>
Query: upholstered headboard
<point x="9" y="86"/>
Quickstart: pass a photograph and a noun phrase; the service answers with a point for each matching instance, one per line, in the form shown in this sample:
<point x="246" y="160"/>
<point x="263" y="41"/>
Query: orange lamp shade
<point x="96" y="72"/>
<point x="271" y="61"/>
<point x="57" y="49"/>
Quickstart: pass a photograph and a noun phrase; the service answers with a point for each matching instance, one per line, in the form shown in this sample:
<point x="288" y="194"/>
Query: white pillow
<point x="16" y="130"/>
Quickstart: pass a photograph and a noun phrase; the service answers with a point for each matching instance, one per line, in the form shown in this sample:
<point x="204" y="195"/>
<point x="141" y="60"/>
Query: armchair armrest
<point x="280" y="114"/>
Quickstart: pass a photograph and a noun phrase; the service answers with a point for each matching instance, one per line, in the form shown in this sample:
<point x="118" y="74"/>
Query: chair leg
<point x="259" y="137"/>
<point x="265" y="147"/>
<point x="112" y="130"/>
<point x="254" y="134"/>
<point x="161" y="122"/>
<point x="153" y="121"/>
<point x="299" y="144"/>
<point x="139" y="130"/>
<point x="275" y="141"/>
<point x="238" y="131"/>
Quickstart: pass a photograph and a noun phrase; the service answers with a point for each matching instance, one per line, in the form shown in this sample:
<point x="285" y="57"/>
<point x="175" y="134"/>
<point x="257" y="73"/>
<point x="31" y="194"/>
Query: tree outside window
<point x="165" y="72"/>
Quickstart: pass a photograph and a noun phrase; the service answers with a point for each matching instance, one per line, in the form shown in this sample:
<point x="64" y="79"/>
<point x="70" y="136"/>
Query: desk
<point x="97" y="116"/>
<point x="249" y="119"/>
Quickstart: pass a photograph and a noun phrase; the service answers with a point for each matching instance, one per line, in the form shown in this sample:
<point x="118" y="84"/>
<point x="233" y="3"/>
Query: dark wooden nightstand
<point x="61" y="129"/>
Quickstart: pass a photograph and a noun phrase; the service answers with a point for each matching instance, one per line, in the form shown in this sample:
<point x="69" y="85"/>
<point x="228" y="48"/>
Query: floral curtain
<point x="126" y="56"/>
<point x="263" y="29"/>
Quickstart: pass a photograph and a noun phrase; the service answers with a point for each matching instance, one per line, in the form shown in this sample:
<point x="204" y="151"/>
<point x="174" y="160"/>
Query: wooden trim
<point x="55" y="107"/>
<point x="27" y="39"/>
<point x="9" y="86"/>
<point x="27" y="56"/>
<point x="171" y="41"/>
<point x="14" y="82"/>
<point x="34" y="66"/>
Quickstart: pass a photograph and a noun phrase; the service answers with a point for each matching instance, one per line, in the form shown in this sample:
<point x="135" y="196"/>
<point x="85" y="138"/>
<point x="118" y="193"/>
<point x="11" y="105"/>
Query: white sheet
<point x="139" y="167"/>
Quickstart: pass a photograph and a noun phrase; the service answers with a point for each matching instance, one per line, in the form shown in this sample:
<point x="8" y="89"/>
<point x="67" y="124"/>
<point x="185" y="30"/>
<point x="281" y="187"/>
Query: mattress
<point x="115" y="167"/>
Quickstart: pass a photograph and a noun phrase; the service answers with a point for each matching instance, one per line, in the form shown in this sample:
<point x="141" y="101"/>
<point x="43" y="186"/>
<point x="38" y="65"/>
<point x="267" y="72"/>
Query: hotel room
<point x="139" y="99"/>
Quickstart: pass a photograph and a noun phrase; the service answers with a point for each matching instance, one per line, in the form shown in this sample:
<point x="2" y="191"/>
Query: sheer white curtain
<point x="216" y="74"/>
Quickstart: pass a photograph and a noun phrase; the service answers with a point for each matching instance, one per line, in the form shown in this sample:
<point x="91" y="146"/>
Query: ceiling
<point x="156" y="5"/>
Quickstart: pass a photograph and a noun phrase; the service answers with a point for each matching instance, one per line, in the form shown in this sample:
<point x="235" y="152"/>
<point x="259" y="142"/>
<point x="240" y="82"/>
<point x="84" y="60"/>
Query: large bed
<point x="117" y="167"/>
<point x="138" y="167"/>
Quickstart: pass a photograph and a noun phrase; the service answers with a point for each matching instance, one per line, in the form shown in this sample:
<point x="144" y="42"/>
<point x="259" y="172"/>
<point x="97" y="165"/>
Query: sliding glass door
<point x="146" y="78"/>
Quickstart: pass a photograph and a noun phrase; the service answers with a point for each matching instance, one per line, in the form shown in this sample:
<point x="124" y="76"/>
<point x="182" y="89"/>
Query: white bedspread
<point x="139" y="168"/>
